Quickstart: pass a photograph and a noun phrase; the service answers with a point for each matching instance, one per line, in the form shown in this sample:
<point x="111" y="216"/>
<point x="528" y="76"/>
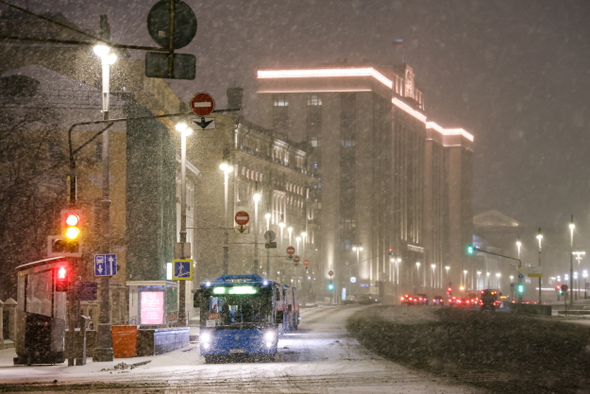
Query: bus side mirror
<point x="279" y="316"/>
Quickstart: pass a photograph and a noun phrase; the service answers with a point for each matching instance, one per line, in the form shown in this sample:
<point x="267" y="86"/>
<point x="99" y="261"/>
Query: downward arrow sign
<point x="203" y="123"/>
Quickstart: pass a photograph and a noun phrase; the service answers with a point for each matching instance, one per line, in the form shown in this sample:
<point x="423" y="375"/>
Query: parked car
<point x="407" y="299"/>
<point x="421" y="299"/>
<point x="438" y="300"/>
<point x="367" y="299"/>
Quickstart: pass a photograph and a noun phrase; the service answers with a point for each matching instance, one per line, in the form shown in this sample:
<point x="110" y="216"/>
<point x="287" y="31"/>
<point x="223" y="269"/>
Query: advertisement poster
<point x="152" y="307"/>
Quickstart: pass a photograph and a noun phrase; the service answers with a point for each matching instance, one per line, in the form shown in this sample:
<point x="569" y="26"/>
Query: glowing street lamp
<point x="540" y="238"/>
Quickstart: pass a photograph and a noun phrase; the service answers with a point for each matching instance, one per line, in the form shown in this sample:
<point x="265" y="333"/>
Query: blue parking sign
<point x="182" y="269"/>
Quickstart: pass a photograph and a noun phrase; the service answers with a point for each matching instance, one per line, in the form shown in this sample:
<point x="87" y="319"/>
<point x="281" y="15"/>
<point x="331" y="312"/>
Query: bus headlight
<point x="269" y="338"/>
<point x="205" y="338"/>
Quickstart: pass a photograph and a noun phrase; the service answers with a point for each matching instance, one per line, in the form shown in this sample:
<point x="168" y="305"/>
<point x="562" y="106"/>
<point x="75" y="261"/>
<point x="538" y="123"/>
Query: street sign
<point x="105" y="264"/>
<point x="564" y="288"/>
<point x="182" y="269"/>
<point x="242" y="229"/>
<point x="306" y="262"/>
<point x="296" y="259"/>
<point x="270" y="236"/>
<point x="184" y="20"/>
<point x="520" y="276"/>
<point x="183" y="66"/>
<point x="330" y="272"/>
<point x="202" y="104"/>
<point x="205" y="123"/>
<point x="535" y="272"/>
<point x="290" y="250"/>
<point x="242" y="218"/>
<point x="270" y="245"/>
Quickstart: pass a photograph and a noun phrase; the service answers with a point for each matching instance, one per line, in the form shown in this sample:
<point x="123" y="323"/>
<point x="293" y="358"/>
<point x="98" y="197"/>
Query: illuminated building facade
<point x="394" y="200"/>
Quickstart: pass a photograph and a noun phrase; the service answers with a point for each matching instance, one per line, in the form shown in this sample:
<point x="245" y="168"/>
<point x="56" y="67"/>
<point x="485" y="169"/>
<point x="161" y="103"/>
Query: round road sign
<point x="185" y="24"/>
<point x="306" y="262"/>
<point x="331" y="273"/>
<point x="296" y="259"/>
<point x="290" y="251"/>
<point x="564" y="288"/>
<point x="202" y="104"/>
<point x="242" y="218"/>
<point x="270" y="235"/>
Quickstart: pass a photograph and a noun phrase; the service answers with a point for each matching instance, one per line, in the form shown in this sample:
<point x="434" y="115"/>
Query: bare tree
<point x="32" y="180"/>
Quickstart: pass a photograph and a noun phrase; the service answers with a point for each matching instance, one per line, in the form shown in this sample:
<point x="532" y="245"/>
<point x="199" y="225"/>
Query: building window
<point x="315" y="142"/>
<point x="280" y="100"/>
<point x="313" y="99"/>
<point x="347" y="143"/>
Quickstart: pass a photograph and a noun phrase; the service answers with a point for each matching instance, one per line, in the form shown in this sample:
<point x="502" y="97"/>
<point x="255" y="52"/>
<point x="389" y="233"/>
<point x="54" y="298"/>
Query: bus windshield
<point x="238" y="310"/>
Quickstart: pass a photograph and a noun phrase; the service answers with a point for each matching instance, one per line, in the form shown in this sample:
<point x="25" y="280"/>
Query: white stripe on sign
<point x="242" y="217"/>
<point x="203" y="104"/>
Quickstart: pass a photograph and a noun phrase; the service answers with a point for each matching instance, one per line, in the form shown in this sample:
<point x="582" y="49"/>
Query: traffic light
<point x="470" y="249"/>
<point x="331" y="286"/>
<point x="449" y="290"/>
<point x="71" y="232"/>
<point x="390" y="251"/>
<point x="520" y="288"/>
<point x="62" y="278"/>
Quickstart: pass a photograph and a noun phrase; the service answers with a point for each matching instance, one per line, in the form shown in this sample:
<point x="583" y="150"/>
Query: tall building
<point x="394" y="199"/>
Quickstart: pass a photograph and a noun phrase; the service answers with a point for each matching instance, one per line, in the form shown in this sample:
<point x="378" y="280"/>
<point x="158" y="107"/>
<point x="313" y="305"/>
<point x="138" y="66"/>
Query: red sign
<point x="331" y="273"/>
<point x="306" y="262"/>
<point x="202" y="104"/>
<point x="296" y="259"/>
<point x="242" y="218"/>
<point x="152" y="307"/>
<point x="290" y="251"/>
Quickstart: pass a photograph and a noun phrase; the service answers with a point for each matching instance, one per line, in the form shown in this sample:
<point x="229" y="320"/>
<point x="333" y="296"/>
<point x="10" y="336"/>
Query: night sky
<point x="515" y="74"/>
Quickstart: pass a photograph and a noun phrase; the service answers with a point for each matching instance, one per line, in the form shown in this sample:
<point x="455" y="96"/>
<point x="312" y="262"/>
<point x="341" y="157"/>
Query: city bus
<point x="241" y="315"/>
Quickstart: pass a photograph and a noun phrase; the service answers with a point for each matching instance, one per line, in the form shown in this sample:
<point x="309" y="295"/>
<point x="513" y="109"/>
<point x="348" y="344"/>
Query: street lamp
<point x="518" y="245"/>
<point x="256" y="197"/>
<point x="185" y="131"/>
<point x="418" y="270"/>
<point x="540" y="238"/>
<point x="358" y="250"/>
<point x="267" y="217"/>
<point x="465" y="278"/>
<point x="488" y="279"/>
<point x="477" y="285"/>
<point x="397" y="263"/>
<point x="572" y="226"/>
<point x="290" y="231"/>
<point x="498" y="275"/>
<point x="576" y="283"/>
<point x="226" y="168"/>
<point x="104" y="344"/>
<point x="281" y="227"/>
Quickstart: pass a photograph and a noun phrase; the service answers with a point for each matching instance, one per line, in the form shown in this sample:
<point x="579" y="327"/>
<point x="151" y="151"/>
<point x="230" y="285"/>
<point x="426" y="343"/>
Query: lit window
<point x="313" y="99"/>
<point x="280" y="100"/>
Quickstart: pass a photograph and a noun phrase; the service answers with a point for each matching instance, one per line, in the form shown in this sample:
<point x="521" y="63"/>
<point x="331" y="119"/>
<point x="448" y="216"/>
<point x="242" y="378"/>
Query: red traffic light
<point x="62" y="279"/>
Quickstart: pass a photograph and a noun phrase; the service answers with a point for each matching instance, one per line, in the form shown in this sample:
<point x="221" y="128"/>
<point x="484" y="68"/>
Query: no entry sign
<point x="202" y="104"/>
<point x="296" y="259"/>
<point x="242" y="218"/>
<point x="290" y="250"/>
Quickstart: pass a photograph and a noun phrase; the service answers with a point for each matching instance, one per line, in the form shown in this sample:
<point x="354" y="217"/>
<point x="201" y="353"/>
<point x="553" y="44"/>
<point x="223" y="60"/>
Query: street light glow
<point x="256" y="197"/>
<point x="101" y="50"/>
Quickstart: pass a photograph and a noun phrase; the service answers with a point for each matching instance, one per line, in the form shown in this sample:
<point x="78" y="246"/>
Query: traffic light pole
<point x="519" y="264"/>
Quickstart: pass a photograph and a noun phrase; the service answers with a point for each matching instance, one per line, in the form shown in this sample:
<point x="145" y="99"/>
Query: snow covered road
<point x="320" y="358"/>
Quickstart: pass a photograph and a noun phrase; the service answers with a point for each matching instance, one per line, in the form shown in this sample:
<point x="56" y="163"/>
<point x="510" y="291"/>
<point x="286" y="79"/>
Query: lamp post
<point x="281" y="227"/>
<point x="579" y="256"/>
<point x="540" y="238"/>
<point x="358" y="250"/>
<point x="465" y="279"/>
<point x="267" y="217"/>
<point x="418" y="271"/>
<point x="303" y="242"/>
<point x="488" y="279"/>
<point x="498" y="276"/>
<point x="185" y="131"/>
<point x="585" y="276"/>
<point x="576" y="284"/>
<point x="104" y="344"/>
<point x="433" y="266"/>
<point x="256" y="197"/>
<point x="447" y="268"/>
<point x="477" y="285"/>
<point x="572" y="226"/>
<point x="226" y="168"/>
<point x="290" y="232"/>
<point x="397" y="263"/>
